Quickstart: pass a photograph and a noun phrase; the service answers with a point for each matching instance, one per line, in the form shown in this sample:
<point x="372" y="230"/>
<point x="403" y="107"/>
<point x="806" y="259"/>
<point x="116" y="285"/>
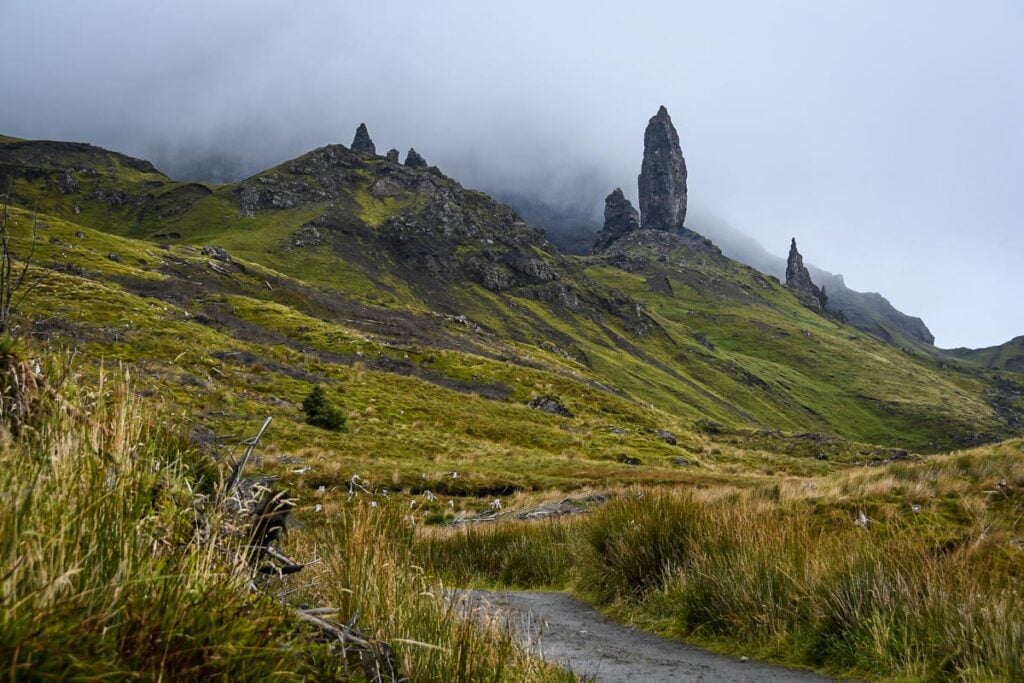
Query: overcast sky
<point x="888" y="137"/>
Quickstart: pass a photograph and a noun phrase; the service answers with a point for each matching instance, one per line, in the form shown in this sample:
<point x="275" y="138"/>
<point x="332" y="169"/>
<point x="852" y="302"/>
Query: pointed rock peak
<point x="620" y="218"/>
<point x="362" y="142"/>
<point x="392" y="155"/>
<point x="794" y="255"/>
<point x="662" y="180"/>
<point x="798" y="279"/>
<point x="414" y="160"/>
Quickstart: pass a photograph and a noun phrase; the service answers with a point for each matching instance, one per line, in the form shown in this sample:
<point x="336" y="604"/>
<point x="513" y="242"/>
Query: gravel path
<point x="571" y="633"/>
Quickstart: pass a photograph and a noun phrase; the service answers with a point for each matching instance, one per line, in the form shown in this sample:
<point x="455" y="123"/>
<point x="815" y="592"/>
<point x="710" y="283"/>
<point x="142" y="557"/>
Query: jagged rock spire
<point x="662" y="180"/>
<point x="362" y="142"/>
<point x="798" y="280"/>
<point x="414" y="160"/>
<point x="392" y="155"/>
<point x="620" y="218"/>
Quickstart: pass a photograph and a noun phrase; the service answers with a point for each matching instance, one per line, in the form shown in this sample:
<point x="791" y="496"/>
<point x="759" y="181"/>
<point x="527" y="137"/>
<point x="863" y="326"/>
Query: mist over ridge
<point x="885" y="139"/>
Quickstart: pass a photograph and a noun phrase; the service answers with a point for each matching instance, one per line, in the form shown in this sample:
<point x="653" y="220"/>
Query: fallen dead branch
<point x="261" y="514"/>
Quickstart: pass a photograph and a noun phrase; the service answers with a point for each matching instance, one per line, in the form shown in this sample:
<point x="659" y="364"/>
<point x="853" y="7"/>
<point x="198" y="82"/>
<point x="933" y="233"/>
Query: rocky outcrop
<point x="414" y="160"/>
<point x="66" y="184"/>
<point x="392" y="155"/>
<point x="798" y="280"/>
<point x="620" y="218"/>
<point x="361" y="142"/>
<point x="662" y="178"/>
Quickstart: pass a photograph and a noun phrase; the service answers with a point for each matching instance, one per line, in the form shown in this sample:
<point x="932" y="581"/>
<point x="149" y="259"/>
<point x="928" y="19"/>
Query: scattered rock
<point x="392" y="155"/>
<point x="414" y="160"/>
<point x="79" y="234"/>
<point x="361" y="142"/>
<point x="620" y="218"/>
<point x="680" y="461"/>
<point x="56" y="241"/>
<point x="66" y="184"/>
<point x="703" y="340"/>
<point x="550" y="404"/>
<point x="662" y="180"/>
<point x="218" y="253"/>
<point x="666" y="436"/>
<point x="630" y="460"/>
<point x="116" y="258"/>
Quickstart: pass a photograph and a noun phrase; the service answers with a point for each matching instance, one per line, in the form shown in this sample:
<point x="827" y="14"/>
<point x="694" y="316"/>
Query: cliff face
<point x="662" y="180"/>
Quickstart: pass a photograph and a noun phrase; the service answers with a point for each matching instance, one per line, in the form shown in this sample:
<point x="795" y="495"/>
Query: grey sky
<point x="888" y="137"/>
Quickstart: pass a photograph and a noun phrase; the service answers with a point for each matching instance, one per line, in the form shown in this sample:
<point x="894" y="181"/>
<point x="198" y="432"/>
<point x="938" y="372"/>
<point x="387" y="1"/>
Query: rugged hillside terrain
<point x="1008" y="356"/>
<point x="435" y="316"/>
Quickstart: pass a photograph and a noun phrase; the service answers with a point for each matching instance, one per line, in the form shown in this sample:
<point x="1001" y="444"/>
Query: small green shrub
<point x="320" y="412"/>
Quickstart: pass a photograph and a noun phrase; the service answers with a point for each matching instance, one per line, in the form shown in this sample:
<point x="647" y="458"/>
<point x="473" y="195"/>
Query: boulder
<point x="550" y="404"/>
<point x="620" y="218"/>
<point x="66" y="184"/>
<point x="217" y="253"/>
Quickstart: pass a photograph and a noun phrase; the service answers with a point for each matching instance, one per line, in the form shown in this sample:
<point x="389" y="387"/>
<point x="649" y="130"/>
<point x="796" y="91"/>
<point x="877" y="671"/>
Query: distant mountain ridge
<point x="663" y="321"/>
<point x="574" y="232"/>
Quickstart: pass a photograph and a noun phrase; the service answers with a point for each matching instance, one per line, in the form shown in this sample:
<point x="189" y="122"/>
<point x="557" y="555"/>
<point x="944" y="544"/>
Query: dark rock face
<point x="798" y="280"/>
<point x="392" y="155"/>
<point x="663" y="176"/>
<point x="550" y="404"/>
<point x="414" y="160"/>
<point x="66" y="184"/>
<point x="218" y="253"/>
<point x="361" y="142"/>
<point x="667" y="437"/>
<point x="620" y="218"/>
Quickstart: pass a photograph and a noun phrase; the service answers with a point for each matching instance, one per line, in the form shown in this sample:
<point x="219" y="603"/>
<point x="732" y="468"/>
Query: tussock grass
<point x="101" y="575"/>
<point x="109" y="571"/>
<point x="369" y="572"/>
<point x="784" y="572"/>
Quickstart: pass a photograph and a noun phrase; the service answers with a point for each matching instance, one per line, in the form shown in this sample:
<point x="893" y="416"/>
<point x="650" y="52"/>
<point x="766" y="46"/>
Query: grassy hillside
<point x="1008" y="356"/>
<point x="336" y="254"/>
<point x="470" y="360"/>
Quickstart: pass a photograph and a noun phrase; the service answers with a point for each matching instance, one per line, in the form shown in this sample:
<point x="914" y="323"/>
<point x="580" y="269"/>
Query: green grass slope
<point x="438" y="315"/>
<point x="1008" y="356"/>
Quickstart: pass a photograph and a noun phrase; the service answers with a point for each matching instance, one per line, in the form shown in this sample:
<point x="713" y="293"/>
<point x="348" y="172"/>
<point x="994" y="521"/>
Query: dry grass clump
<point x="838" y="576"/>
<point x="103" y="574"/>
<point x="370" y="574"/>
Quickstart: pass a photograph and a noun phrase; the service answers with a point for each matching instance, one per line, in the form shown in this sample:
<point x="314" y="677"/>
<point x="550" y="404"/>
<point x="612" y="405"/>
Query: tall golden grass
<point x="787" y="574"/>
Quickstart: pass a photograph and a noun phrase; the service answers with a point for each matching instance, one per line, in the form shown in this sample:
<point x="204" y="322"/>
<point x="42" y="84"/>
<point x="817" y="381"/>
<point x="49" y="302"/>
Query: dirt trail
<point x="571" y="633"/>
